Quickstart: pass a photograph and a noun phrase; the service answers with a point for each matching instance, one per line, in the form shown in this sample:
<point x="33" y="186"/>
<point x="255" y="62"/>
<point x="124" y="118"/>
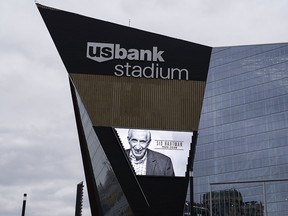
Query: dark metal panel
<point x="166" y="195"/>
<point x="94" y="200"/>
<point x="123" y="170"/>
<point x="72" y="34"/>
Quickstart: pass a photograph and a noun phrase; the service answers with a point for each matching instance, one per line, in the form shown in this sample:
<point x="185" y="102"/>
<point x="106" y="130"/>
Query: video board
<point x="156" y="152"/>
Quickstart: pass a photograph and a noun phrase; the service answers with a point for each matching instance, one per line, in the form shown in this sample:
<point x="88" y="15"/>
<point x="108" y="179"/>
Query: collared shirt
<point x="138" y="165"/>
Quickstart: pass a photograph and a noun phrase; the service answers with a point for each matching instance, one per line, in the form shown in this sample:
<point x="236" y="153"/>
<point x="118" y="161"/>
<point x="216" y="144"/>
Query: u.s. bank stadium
<point x="171" y="127"/>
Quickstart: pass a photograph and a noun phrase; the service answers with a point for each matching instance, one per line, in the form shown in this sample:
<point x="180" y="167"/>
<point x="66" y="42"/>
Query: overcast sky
<point x="39" y="149"/>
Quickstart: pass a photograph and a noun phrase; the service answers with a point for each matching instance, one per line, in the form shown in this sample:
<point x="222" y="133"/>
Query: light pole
<point x="24" y="204"/>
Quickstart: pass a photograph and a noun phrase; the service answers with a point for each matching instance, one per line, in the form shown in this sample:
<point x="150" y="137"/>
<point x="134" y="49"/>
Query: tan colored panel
<point x="141" y="103"/>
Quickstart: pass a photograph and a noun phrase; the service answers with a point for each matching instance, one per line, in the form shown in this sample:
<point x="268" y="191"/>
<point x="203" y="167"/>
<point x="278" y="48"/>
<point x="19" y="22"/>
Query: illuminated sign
<point x="154" y="152"/>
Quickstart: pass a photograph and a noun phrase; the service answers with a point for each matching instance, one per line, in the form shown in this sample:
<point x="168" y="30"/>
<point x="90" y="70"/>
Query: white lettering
<point x="101" y="52"/>
<point x="150" y="72"/>
<point x="133" y="54"/>
<point x="157" y="55"/>
<point x="120" y="53"/>
<point x="137" y="71"/>
<point x="179" y="71"/>
<point x="119" y="68"/>
<point x="146" y="53"/>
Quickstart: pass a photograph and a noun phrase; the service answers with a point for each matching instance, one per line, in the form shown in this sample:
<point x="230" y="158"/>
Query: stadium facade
<point x="218" y="114"/>
<point x="243" y="140"/>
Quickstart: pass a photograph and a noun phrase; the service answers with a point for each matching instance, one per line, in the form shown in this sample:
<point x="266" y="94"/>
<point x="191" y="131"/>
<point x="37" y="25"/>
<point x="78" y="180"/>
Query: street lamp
<point x="24" y="204"/>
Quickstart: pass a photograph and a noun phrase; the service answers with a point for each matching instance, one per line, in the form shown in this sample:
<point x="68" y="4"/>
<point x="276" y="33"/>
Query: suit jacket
<point x="157" y="164"/>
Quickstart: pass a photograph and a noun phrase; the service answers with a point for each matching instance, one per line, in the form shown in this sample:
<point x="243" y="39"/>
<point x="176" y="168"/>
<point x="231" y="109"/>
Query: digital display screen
<point x="156" y="152"/>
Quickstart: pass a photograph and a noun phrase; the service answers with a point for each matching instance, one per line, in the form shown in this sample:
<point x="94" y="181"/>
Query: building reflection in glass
<point x="112" y="197"/>
<point x="225" y="203"/>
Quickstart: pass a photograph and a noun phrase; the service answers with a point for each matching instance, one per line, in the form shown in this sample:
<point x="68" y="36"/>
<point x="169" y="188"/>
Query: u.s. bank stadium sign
<point x="92" y="46"/>
<point x="102" y="52"/>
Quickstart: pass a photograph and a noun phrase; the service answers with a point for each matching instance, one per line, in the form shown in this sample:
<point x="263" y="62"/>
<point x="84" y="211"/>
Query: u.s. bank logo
<point x="101" y="52"/>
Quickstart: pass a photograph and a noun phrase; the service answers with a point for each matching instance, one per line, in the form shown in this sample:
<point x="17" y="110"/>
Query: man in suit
<point x="144" y="160"/>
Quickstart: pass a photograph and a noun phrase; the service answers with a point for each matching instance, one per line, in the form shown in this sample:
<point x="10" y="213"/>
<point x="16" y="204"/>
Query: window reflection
<point x="243" y="131"/>
<point x="112" y="198"/>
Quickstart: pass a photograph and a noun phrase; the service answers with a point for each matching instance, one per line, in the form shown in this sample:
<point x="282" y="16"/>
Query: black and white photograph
<point x="155" y="152"/>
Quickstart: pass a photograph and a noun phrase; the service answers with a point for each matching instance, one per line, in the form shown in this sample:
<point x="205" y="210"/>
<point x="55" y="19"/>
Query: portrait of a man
<point x="144" y="160"/>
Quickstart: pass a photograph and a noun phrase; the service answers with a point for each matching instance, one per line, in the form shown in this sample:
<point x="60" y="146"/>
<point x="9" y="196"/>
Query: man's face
<point x="139" y="143"/>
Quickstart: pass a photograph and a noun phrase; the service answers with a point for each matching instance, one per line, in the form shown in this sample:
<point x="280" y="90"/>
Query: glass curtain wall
<point x="243" y="133"/>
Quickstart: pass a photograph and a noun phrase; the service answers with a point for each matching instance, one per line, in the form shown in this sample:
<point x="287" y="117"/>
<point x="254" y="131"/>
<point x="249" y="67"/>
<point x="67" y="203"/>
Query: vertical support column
<point x="264" y="194"/>
<point x="191" y="162"/>
<point x="210" y="199"/>
<point x="192" y="210"/>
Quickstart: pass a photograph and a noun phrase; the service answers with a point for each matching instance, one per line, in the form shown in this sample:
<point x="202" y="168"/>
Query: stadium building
<point x="170" y="127"/>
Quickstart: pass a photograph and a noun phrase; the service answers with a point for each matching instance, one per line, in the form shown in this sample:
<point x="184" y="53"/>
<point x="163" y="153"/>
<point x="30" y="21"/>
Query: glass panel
<point x="243" y="131"/>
